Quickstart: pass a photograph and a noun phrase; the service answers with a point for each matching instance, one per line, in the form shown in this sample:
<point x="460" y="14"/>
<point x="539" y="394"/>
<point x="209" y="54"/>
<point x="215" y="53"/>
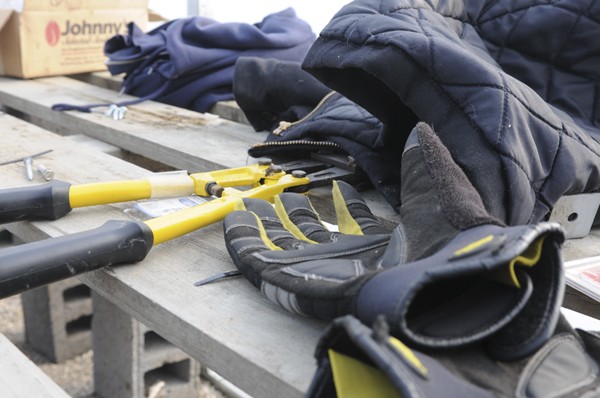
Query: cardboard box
<point x="60" y="37"/>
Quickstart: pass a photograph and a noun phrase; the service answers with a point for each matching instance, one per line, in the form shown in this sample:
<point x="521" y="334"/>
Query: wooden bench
<point x="20" y="377"/>
<point x="228" y="326"/>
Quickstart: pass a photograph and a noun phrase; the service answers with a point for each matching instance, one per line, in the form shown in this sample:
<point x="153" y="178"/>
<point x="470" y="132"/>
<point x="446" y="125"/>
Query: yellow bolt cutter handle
<point x="56" y="198"/>
<point x="173" y="225"/>
<point x="35" y="264"/>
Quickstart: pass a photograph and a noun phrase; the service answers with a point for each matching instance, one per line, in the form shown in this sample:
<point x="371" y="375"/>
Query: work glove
<point x="449" y="274"/>
<point x="278" y="248"/>
<point x="356" y="360"/>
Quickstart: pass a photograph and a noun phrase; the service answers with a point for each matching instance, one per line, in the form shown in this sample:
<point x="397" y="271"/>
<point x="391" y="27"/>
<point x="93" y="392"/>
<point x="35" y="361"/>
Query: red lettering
<point x="52" y="33"/>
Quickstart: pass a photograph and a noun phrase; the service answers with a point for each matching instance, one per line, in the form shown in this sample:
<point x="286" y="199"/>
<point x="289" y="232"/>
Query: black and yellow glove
<point x="449" y="275"/>
<point x="290" y="255"/>
<point x="355" y="360"/>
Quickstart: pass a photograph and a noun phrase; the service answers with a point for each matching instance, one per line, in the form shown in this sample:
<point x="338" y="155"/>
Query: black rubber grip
<point x="31" y="265"/>
<point x="48" y="201"/>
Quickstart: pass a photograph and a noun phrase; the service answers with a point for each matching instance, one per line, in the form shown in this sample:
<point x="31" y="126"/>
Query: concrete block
<point x="58" y="319"/>
<point x="131" y="361"/>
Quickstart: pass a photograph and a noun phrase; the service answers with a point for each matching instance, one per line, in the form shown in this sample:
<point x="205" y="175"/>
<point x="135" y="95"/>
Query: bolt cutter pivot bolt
<point x="264" y="162"/>
<point x="274" y="169"/>
<point x="214" y="189"/>
<point x="298" y="174"/>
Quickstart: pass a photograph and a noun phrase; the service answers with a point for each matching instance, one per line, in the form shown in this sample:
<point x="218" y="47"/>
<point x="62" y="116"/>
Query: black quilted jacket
<point x="511" y="87"/>
<point x="307" y="117"/>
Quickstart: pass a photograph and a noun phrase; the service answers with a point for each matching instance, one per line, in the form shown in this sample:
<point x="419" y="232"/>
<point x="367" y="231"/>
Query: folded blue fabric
<point x="190" y="62"/>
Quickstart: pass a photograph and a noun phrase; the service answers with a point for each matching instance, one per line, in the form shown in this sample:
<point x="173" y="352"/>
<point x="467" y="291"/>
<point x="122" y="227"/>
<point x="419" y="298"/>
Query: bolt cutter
<point x="38" y="263"/>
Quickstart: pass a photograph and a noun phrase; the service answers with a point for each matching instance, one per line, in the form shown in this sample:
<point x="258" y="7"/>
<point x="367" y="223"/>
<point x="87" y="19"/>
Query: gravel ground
<point x="75" y="376"/>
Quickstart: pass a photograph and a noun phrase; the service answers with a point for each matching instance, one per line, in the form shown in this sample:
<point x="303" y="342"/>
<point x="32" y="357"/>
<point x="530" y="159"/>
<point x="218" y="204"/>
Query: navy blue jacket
<point x="190" y="62"/>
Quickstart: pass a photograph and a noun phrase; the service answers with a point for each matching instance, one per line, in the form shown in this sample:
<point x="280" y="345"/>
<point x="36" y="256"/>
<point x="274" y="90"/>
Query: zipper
<point x="324" y="144"/>
<point x="283" y="125"/>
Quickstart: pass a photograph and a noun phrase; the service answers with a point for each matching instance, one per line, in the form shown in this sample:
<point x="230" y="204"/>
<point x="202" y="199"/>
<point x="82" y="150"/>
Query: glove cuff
<point x="503" y="285"/>
<point x="348" y="346"/>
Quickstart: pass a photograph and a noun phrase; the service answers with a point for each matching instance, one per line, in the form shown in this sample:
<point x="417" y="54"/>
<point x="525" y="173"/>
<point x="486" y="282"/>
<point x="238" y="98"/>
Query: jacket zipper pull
<point x="283" y="125"/>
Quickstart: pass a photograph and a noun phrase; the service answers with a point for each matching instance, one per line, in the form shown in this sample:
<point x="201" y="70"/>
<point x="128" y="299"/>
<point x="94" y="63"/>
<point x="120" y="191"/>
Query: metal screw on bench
<point x="47" y="173"/>
<point x="116" y="112"/>
<point x="28" y="168"/>
<point x="298" y="173"/>
<point x="217" y="277"/>
<point x="27" y="161"/>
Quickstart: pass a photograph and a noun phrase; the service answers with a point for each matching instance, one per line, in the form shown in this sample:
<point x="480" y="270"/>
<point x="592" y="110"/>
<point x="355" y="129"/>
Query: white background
<point x="316" y="12"/>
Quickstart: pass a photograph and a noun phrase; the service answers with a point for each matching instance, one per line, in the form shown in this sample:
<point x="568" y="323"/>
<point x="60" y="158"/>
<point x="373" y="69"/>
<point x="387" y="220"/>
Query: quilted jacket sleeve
<point x="510" y="87"/>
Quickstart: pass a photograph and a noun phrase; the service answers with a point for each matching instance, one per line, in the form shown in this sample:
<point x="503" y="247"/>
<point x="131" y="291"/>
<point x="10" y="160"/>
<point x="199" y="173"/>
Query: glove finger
<point x="353" y="215"/>
<point x="245" y="236"/>
<point x="272" y="225"/>
<point x="299" y="217"/>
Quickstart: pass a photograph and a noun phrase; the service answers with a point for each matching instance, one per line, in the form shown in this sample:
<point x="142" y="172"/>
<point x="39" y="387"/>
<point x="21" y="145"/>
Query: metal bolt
<point x="47" y="173"/>
<point x="28" y="169"/>
<point x="298" y="174"/>
<point x="264" y="162"/>
<point x="274" y="169"/>
<point x="116" y="112"/>
<point x="111" y="110"/>
<point x="214" y="189"/>
<point x="120" y="113"/>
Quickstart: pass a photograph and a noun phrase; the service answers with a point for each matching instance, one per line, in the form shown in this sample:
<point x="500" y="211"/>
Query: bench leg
<point x="132" y="361"/>
<point x="58" y="319"/>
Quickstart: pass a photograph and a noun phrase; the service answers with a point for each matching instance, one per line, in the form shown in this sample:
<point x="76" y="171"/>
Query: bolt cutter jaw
<point x="322" y="169"/>
<point x="318" y="171"/>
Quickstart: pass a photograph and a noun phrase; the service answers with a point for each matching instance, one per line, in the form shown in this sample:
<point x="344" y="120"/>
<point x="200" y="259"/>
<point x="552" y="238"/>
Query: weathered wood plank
<point x="174" y="136"/>
<point x="228" y="326"/>
<point x="19" y="377"/>
<point x="228" y="110"/>
<point x="583" y="247"/>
